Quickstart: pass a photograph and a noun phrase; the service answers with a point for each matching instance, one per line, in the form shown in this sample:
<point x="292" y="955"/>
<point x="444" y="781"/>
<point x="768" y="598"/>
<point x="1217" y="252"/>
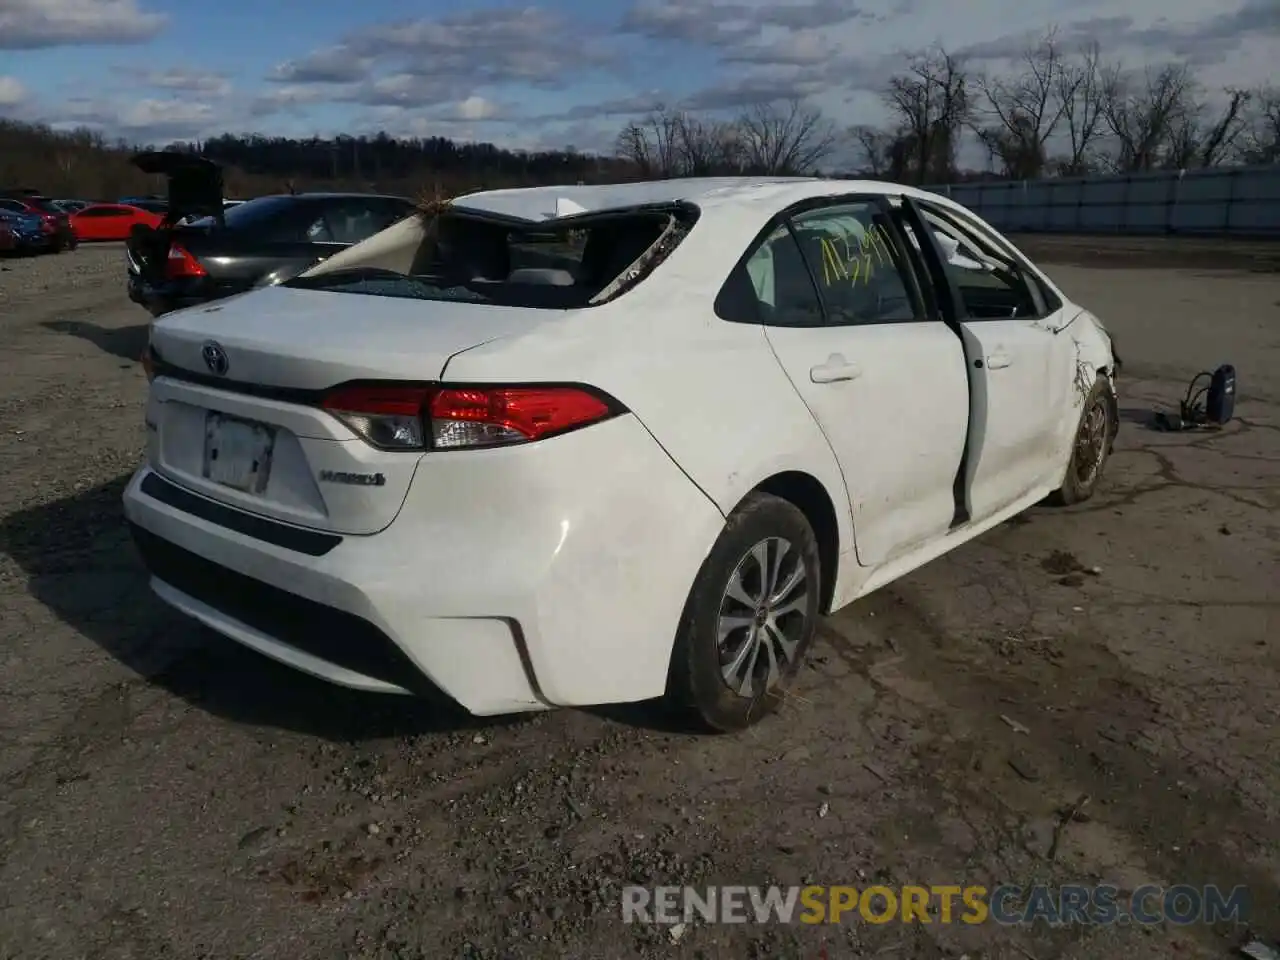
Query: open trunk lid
<point x="195" y="183"/>
<point x="195" y="190"/>
<point x="234" y="411"/>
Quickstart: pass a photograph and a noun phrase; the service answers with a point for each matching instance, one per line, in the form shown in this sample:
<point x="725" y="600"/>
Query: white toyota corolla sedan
<point x="581" y="445"/>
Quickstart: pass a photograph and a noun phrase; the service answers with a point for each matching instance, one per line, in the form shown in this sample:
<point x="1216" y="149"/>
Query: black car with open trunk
<point x="205" y="251"/>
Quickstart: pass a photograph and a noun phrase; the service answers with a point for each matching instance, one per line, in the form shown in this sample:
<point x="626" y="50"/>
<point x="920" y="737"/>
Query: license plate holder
<point x="237" y="453"/>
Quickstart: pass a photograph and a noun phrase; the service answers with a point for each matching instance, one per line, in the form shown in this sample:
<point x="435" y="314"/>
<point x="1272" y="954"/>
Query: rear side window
<point x="773" y="287"/>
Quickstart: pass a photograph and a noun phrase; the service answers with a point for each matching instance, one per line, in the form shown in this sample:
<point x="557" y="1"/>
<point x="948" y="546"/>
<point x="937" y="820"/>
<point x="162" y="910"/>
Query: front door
<point x="882" y="375"/>
<point x="1021" y="366"/>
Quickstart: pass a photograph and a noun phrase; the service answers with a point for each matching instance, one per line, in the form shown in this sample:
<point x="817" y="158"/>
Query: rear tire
<point x="749" y="619"/>
<point x="1090" y="446"/>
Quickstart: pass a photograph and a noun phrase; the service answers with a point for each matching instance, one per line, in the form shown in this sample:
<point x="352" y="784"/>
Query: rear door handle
<point x="836" y="369"/>
<point x="998" y="361"/>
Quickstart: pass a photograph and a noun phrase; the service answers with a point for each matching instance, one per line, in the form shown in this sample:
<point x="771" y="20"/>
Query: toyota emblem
<point x="215" y="358"/>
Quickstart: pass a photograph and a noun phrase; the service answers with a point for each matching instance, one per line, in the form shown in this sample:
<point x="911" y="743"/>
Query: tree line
<point x="1059" y="111"/>
<point x="84" y="163"/>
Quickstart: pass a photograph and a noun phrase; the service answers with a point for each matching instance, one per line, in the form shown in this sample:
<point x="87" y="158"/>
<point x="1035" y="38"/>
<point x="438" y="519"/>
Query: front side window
<point x="991" y="286"/>
<point x="859" y="268"/>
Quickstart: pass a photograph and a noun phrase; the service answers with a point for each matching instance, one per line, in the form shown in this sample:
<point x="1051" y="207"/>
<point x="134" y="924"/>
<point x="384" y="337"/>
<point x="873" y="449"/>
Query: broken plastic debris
<point x="1014" y="725"/>
<point x="567" y="208"/>
<point x="1260" y="951"/>
<point x="677" y="931"/>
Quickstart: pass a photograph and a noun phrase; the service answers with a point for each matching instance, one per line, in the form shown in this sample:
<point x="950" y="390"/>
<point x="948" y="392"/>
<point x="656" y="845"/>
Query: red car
<point x="111" y="221"/>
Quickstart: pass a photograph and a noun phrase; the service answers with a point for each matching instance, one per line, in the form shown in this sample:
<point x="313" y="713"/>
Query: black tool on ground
<point x="1209" y="406"/>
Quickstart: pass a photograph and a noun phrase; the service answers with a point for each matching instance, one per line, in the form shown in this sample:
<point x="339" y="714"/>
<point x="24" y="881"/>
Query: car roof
<point x="537" y="203"/>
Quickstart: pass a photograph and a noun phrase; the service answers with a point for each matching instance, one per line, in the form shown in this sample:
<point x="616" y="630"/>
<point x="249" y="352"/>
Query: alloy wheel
<point x="762" y="617"/>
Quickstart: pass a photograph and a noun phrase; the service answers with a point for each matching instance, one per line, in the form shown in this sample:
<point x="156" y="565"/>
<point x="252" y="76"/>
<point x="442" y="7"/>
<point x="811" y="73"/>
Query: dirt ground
<point x="166" y="794"/>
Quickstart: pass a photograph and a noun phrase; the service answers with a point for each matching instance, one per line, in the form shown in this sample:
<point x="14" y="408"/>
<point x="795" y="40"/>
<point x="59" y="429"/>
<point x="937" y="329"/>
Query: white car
<point x="579" y="445"/>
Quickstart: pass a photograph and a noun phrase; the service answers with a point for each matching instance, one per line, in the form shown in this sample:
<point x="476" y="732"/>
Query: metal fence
<point x="1228" y="201"/>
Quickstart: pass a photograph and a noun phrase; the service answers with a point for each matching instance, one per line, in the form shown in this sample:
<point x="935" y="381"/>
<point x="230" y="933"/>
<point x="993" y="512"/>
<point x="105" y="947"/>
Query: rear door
<point x="884" y="377"/>
<point x="1022" y="367"/>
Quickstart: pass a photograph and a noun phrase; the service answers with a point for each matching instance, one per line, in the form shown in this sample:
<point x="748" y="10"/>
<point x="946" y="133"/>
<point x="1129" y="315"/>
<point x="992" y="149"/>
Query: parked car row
<point x="33" y="222"/>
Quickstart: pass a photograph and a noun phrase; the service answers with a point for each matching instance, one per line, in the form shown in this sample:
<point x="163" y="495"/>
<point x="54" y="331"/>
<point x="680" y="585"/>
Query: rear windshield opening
<point x="248" y="215"/>
<point x="575" y="262"/>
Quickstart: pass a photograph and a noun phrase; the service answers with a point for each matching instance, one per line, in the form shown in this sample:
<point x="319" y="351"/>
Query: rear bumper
<point x="513" y="580"/>
<point x="164" y="299"/>
<point x="33" y="243"/>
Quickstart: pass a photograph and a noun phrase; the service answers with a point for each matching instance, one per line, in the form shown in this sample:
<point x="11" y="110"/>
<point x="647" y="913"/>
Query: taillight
<point x="182" y="264"/>
<point x="459" y="418"/>
<point x="482" y="417"/>
<point x="390" y="418"/>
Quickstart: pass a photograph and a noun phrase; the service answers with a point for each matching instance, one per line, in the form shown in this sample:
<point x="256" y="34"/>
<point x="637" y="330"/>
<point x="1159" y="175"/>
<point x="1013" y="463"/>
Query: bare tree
<point x="1260" y="141"/>
<point x="1143" y="113"/>
<point x="1197" y="142"/>
<point x="930" y="103"/>
<point x="785" y="139"/>
<point x="1079" y="92"/>
<point x="875" y="147"/>
<point x="1023" y="111"/>
<point x="707" y="147"/>
<point x="653" y="144"/>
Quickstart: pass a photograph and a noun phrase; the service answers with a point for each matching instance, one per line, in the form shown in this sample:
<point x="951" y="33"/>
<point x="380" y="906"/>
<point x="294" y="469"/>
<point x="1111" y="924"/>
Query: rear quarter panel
<point x="711" y="392"/>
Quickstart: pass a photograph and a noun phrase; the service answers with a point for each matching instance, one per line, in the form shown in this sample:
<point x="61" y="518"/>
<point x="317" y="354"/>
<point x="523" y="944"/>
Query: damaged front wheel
<point x="1091" y="445"/>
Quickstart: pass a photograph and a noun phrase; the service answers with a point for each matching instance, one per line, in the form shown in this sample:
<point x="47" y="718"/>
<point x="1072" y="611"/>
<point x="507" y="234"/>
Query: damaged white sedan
<point x="581" y="445"/>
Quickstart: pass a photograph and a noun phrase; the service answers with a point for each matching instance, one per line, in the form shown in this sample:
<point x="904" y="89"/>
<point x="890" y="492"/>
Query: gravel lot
<point x="165" y="794"/>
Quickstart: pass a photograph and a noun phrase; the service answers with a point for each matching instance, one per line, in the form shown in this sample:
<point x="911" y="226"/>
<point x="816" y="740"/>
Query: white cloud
<point x="12" y="92"/>
<point x="189" y="81"/>
<point x="468" y="72"/>
<point x="33" y="24"/>
<point x="477" y="108"/>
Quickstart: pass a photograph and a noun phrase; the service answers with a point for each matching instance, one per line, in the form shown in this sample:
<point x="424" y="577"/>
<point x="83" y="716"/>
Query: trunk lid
<point x="195" y="183"/>
<point x="239" y="382"/>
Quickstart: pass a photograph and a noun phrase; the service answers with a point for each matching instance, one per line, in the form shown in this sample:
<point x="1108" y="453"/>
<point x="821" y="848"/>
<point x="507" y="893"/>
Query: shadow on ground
<point x="82" y="565"/>
<point x="127" y="343"/>
<point x="1139" y="416"/>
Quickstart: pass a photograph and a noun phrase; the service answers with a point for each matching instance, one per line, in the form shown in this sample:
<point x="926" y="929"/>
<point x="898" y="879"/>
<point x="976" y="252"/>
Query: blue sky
<point x="545" y="72"/>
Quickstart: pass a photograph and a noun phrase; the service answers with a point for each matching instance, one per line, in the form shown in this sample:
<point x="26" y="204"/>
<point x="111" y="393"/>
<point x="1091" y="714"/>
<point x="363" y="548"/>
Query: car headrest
<point x="544" y="276"/>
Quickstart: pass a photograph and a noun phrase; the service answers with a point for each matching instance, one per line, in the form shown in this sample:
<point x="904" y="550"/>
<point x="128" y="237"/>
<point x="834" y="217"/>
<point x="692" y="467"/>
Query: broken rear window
<point x="560" y="264"/>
